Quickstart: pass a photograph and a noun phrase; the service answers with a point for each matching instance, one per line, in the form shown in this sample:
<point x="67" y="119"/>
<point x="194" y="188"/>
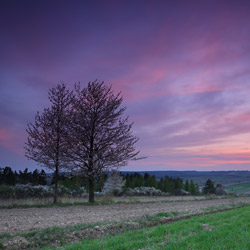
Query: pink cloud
<point x="5" y="138"/>
<point x="9" y="141"/>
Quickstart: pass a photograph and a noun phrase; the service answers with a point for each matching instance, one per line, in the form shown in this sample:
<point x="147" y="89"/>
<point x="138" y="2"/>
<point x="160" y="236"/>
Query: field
<point x="224" y="230"/>
<point x="55" y="226"/>
<point x="241" y="188"/>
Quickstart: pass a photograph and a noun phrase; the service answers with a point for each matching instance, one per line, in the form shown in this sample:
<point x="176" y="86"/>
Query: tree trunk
<point x="57" y="153"/>
<point x="91" y="190"/>
<point x="56" y="185"/>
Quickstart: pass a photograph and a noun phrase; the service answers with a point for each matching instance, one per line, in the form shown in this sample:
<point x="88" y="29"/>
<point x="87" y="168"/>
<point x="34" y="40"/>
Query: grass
<point x="5" y="235"/>
<point x="239" y="188"/>
<point x="201" y="180"/>
<point x="229" y="230"/>
<point x="66" y="204"/>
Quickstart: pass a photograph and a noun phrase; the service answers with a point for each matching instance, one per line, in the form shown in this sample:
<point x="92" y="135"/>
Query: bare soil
<point x="28" y="219"/>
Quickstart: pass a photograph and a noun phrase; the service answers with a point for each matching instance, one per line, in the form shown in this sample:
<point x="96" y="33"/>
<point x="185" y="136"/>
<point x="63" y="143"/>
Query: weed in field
<point x="5" y="235"/>
<point x="214" y="208"/>
<point x="107" y="199"/>
<point x="1" y="245"/>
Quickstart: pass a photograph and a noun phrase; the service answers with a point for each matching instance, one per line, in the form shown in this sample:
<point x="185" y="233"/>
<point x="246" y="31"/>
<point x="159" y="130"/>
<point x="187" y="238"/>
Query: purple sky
<point x="183" y="68"/>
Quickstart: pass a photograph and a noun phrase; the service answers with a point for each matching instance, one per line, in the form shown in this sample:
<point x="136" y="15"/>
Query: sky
<point x="183" y="68"/>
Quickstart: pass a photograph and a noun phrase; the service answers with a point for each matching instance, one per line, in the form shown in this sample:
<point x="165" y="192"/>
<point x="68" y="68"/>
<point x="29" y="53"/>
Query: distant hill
<point x="200" y="177"/>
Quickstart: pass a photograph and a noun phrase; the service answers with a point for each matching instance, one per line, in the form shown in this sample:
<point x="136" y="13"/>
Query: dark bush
<point x="7" y="192"/>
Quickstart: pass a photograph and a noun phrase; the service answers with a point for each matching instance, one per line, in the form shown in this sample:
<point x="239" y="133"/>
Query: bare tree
<point x="101" y="140"/>
<point x="46" y="144"/>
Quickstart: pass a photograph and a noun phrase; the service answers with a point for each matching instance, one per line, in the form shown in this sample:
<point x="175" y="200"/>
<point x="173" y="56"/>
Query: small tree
<point x="42" y="178"/>
<point x="209" y="187"/>
<point x="197" y="189"/>
<point x="161" y="184"/>
<point x="45" y="143"/>
<point x="150" y="181"/>
<point x="167" y="187"/>
<point x="178" y="183"/>
<point x="192" y="188"/>
<point x="7" y="176"/>
<point x="35" y="177"/>
<point x="100" y="138"/>
<point x="187" y="186"/>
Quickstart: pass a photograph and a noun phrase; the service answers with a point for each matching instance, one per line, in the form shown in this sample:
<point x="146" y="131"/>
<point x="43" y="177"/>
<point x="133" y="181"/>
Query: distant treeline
<point x="166" y="184"/>
<point x="8" y="177"/>
<point x="72" y="182"/>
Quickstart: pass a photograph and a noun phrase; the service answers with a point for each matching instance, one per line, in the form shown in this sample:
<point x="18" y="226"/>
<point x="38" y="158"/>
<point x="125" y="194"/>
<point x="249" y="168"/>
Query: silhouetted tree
<point x="140" y="181"/>
<point x="25" y="177"/>
<point x="197" y="189"/>
<point x="209" y="187"/>
<point x="171" y="186"/>
<point x="151" y="181"/>
<point x="192" y="188"/>
<point x="168" y="185"/>
<point x="178" y="183"/>
<point x="160" y="184"/>
<point x="7" y="176"/>
<point x="186" y="186"/>
<point x="146" y="176"/>
<point x="45" y="143"/>
<point x="1" y="176"/>
<point x="100" y="138"/>
<point x="100" y="182"/>
<point x="35" y="177"/>
<point x="42" y="178"/>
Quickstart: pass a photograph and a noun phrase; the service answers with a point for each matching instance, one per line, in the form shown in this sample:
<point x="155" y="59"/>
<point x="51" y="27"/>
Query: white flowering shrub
<point x="29" y="191"/>
<point x="147" y="191"/>
<point x="114" y="184"/>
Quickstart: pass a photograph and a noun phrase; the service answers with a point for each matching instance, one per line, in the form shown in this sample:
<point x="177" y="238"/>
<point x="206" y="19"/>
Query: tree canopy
<point x="100" y="137"/>
<point x="46" y="136"/>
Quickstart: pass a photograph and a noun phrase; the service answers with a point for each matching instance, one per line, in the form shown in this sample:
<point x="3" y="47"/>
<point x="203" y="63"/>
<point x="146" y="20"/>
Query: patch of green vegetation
<point x="50" y="236"/>
<point x="239" y="188"/>
<point x="79" y="227"/>
<point x="224" y="230"/>
<point x="5" y="235"/>
<point x="66" y="204"/>
<point x="219" y="179"/>
<point x="1" y="245"/>
<point x="162" y="214"/>
<point x="168" y="214"/>
<point x="213" y="208"/>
